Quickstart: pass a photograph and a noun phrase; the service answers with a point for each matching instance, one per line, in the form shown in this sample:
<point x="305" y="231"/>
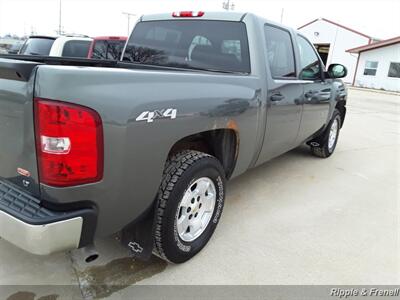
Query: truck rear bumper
<point x="41" y="239"/>
<point x="28" y="225"/>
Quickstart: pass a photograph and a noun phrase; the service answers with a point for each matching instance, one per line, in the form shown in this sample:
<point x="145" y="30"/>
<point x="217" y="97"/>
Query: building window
<point x="394" y="70"/>
<point x="370" y="68"/>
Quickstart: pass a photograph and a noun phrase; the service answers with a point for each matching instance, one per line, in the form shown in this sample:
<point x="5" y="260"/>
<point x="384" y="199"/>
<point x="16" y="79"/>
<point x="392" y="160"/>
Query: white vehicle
<point x="70" y="46"/>
<point x="63" y="46"/>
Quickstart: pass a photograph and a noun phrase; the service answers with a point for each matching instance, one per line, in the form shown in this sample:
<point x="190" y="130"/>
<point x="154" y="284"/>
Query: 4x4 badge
<point x="150" y="116"/>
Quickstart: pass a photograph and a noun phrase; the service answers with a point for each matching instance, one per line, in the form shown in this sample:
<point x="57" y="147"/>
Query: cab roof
<point x="216" y="16"/>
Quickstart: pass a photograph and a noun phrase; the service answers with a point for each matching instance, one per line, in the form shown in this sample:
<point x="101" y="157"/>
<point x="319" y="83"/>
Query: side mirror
<point x="337" y="71"/>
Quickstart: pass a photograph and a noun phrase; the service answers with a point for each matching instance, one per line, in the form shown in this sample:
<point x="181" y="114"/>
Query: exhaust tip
<point x="87" y="254"/>
<point x="92" y="258"/>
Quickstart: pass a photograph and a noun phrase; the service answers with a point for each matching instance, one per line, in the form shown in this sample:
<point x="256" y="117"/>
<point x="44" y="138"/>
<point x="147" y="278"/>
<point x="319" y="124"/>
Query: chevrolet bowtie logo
<point x="135" y="247"/>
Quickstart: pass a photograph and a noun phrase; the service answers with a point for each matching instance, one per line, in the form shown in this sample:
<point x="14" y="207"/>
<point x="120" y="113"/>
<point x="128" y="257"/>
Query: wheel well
<point x="221" y="143"/>
<point x="341" y="107"/>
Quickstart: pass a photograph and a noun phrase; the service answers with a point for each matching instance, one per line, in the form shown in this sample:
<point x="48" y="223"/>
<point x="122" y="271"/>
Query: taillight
<point x="187" y="14"/>
<point x="69" y="143"/>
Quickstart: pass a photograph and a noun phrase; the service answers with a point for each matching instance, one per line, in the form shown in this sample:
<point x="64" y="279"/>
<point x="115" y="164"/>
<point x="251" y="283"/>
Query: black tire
<point x="180" y="172"/>
<point x="323" y="150"/>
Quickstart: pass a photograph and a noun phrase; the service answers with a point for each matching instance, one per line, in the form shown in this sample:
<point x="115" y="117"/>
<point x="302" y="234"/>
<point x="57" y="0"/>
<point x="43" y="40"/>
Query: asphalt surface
<point x="295" y="220"/>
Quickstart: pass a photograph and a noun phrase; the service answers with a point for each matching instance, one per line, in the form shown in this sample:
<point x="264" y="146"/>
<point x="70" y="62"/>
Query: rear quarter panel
<point x="135" y="152"/>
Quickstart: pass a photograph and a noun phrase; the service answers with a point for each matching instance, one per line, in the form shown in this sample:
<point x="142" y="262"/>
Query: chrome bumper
<point x="29" y="225"/>
<point x="41" y="239"/>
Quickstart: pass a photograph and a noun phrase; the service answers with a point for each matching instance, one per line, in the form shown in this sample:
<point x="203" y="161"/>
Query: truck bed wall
<point x="136" y="151"/>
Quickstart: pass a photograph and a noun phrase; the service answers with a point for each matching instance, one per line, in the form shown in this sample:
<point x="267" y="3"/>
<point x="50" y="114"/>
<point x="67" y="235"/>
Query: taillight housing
<point x="188" y="14"/>
<point x="69" y="143"/>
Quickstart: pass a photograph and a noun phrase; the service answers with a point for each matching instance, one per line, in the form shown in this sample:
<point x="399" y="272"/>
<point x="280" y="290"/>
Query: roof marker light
<point x="187" y="14"/>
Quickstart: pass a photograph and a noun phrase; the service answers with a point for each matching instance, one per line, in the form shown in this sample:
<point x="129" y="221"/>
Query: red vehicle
<point x="107" y="47"/>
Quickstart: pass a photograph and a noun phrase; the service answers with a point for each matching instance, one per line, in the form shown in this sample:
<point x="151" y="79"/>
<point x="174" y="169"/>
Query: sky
<point x="377" y="18"/>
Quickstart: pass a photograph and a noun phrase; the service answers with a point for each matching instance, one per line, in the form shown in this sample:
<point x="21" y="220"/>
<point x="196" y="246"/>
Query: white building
<point x="378" y="65"/>
<point x="332" y="40"/>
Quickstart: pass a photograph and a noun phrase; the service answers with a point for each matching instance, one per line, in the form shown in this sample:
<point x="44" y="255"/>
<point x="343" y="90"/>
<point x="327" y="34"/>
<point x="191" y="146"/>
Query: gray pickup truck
<point x="143" y="147"/>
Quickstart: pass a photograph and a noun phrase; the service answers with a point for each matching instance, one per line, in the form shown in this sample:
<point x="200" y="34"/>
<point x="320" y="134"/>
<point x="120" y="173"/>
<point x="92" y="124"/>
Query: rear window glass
<point x="280" y="52"/>
<point x="211" y="45"/>
<point x="76" y="49"/>
<point x="108" y="49"/>
<point x="37" y="46"/>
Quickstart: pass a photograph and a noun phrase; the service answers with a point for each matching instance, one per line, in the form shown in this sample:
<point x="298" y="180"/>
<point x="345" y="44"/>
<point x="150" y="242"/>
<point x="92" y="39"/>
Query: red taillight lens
<point x="69" y="143"/>
<point x="187" y="14"/>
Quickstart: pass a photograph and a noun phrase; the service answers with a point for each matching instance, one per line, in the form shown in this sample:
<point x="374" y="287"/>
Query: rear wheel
<point x="328" y="140"/>
<point x="190" y="203"/>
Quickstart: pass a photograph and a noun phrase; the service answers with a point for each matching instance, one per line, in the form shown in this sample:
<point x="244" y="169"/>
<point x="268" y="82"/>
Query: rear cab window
<point x="191" y="44"/>
<point x="37" y="46"/>
<point x="76" y="49"/>
<point x="108" y="49"/>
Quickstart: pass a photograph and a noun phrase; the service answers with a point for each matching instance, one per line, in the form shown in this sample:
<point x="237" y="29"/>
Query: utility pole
<point x="59" y="20"/>
<point x="227" y="5"/>
<point x="129" y="15"/>
<point x="282" y="11"/>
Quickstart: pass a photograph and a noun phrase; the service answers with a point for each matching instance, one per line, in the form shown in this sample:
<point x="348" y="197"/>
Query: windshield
<point x="108" y="49"/>
<point x="192" y="44"/>
<point x="37" y="46"/>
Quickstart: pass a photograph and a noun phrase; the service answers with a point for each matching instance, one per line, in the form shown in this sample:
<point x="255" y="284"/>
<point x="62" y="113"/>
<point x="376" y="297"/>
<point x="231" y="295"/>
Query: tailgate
<point x="17" y="140"/>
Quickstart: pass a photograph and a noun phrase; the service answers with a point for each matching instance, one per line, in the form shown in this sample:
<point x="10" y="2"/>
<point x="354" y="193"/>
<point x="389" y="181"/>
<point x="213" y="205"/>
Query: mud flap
<point x="320" y="139"/>
<point x="138" y="236"/>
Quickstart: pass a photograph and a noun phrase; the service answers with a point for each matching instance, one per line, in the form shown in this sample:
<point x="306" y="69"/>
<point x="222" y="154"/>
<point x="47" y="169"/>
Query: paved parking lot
<point x="295" y="220"/>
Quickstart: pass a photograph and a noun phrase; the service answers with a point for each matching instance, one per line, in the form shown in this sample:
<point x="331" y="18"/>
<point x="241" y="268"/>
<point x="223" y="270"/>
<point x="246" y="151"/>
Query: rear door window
<point x="192" y="44"/>
<point x="76" y="49"/>
<point x="280" y="53"/>
<point x="108" y="49"/>
<point x="37" y="46"/>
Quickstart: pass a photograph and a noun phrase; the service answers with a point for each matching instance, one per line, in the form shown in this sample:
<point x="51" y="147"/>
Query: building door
<point x="323" y="51"/>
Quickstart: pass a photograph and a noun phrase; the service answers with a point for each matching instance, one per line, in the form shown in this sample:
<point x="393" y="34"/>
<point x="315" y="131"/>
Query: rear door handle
<point x="277" y="97"/>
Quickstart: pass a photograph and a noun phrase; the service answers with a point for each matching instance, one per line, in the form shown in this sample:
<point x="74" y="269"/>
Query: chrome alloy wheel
<point x="333" y="134"/>
<point x="196" y="209"/>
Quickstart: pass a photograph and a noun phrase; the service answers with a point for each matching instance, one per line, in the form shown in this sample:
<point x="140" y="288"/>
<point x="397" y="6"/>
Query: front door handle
<point x="277" y="97"/>
<point x="309" y="94"/>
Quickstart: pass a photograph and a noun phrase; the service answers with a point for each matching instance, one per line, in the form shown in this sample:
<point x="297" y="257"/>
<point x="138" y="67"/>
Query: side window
<point x="309" y="61"/>
<point x="232" y="47"/>
<point x="280" y="52"/>
<point x="198" y="40"/>
<point x="370" y="68"/>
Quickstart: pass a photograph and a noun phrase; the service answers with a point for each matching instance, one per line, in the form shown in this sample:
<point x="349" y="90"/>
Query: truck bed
<point x="85" y="62"/>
